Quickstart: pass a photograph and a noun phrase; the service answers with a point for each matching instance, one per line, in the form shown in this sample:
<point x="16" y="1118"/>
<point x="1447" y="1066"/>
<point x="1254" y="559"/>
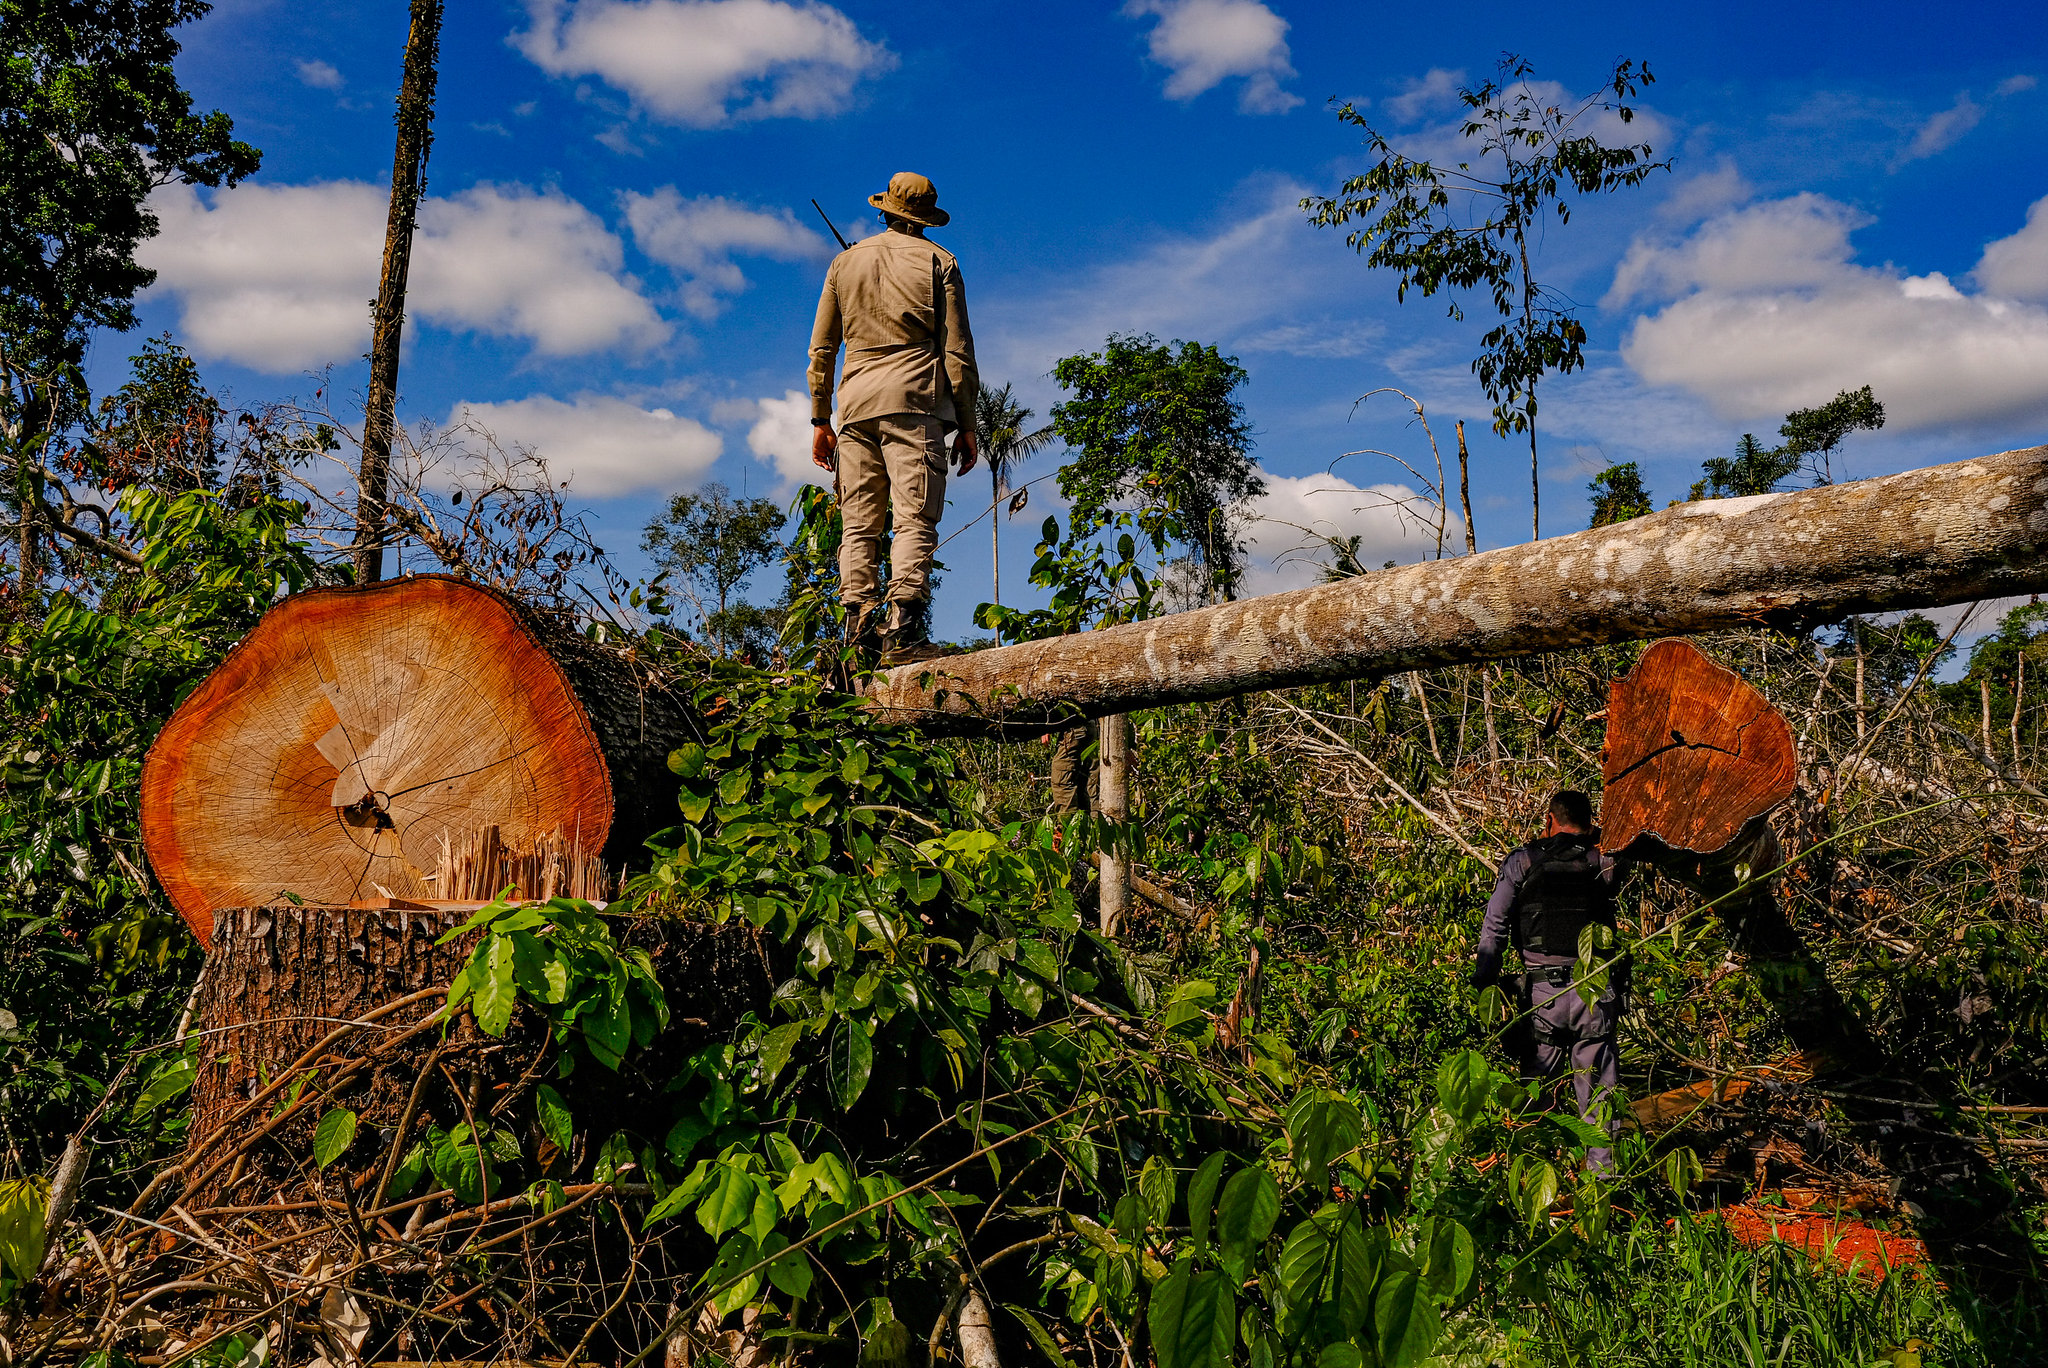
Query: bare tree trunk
<point x="1465" y="492"/>
<point x="977" y="1336"/>
<point x="1925" y="538"/>
<point x="1486" y="707"/>
<point x="1862" y="719"/>
<point x="1113" y="755"/>
<point x="2019" y="699"/>
<point x="408" y="182"/>
<point x="1428" y="722"/>
<point x="1984" y="717"/>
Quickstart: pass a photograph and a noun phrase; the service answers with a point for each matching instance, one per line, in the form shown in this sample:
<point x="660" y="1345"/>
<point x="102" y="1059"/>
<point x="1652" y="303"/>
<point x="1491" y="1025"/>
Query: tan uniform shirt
<point x="896" y="302"/>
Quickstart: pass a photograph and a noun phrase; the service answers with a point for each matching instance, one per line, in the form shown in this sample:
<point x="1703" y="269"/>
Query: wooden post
<point x="387" y="320"/>
<point x="1113" y="755"/>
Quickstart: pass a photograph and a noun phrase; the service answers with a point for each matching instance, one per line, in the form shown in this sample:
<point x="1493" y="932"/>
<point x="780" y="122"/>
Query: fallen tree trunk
<point x="356" y="730"/>
<point x="1946" y="534"/>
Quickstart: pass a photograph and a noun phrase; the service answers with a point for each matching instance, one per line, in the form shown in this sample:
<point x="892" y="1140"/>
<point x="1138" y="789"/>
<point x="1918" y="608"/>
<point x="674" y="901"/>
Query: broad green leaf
<point x="1250" y="1206"/>
<point x="1202" y="1196"/>
<point x="791" y="1272"/>
<point x="168" y="1082"/>
<point x="730" y="1204"/>
<point x="775" y="1050"/>
<point x="1406" y="1323"/>
<point x="458" y="1163"/>
<point x="1448" y="1251"/>
<point x="1534" y="1184"/>
<point x="332" y="1137"/>
<point x="1039" y="1336"/>
<point x="850" y="1061"/>
<point x="496" y="994"/>
<point x="1192" y="1319"/>
<point x="23" y="1209"/>
<point x="1156" y="1181"/>
<point x="1342" y="1354"/>
<point x="555" y="1122"/>
<point x="1462" y="1082"/>
<point x="1322" y="1127"/>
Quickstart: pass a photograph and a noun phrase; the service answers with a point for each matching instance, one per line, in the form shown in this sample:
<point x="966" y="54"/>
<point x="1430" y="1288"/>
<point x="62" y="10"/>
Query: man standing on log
<point x="895" y="301"/>
<point x="1547" y="893"/>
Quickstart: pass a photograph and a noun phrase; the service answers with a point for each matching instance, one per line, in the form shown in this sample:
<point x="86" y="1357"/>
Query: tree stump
<point x="354" y="729"/>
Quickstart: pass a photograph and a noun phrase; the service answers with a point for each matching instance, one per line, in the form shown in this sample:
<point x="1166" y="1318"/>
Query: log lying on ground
<point x="1946" y="534"/>
<point x="354" y="729"/>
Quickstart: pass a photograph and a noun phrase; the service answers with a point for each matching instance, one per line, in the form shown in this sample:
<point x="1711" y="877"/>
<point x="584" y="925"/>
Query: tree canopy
<point x="1160" y="424"/>
<point x="1468" y="227"/>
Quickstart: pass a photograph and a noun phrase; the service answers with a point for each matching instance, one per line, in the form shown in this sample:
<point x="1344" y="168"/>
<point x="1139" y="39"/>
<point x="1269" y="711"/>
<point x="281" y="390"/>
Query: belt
<point x="1556" y="975"/>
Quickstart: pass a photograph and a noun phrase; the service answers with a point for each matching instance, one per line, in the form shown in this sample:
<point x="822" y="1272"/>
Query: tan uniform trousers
<point x="898" y="458"/>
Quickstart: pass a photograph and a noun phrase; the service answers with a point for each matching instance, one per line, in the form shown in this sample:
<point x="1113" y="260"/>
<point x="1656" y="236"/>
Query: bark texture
<point x="350" y="732"/>
<point x="1946" y="534"/>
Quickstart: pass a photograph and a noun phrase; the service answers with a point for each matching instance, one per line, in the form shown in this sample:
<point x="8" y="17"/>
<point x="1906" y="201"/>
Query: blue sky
<point x="619" y="263"/>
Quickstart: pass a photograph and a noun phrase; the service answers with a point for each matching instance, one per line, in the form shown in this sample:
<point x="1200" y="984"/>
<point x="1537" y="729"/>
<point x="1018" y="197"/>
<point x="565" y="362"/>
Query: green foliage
<point x="1092" y="582"/>
<point x="715" y="543"/>
<point x="1463" y="229"/>
<point x="23" y="1204"/>
<point x="1159" y="425"/>
<point x="1618" y="494"/>
<point x="561" y="957"/>
<point x="1811" y="438"/>
<point x="97" y="120"/>
<point x="93" y="961"/>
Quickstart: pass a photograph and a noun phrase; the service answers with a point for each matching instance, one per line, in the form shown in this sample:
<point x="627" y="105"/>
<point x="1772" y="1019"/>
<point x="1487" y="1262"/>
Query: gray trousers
<point x="1574" y="1038"/>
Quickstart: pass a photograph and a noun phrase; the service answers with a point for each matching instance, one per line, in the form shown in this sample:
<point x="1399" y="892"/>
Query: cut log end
<point x="1694" y="755"/>
<point x="356" y="729"/>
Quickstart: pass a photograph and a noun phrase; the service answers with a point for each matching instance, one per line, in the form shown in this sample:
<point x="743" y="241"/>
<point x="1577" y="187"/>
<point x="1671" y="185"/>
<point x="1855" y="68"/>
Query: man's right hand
<point x="824" y="448"/>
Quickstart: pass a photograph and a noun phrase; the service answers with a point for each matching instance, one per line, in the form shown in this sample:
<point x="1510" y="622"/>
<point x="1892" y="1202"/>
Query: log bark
<point x="1945" y="534"/>
<point x="354" y="728"/>
<point x="337" y="992"/>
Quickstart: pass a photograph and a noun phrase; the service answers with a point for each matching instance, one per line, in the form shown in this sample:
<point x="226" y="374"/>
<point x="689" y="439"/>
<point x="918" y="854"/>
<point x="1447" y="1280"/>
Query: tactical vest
<point x="1561" y="895"/>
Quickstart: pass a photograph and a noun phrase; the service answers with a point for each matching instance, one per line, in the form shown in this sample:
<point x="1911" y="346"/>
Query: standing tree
<point x="715" y="542"/>
<point x="1618" y="494"/>
<point x="1160" y="424"/>
<point x="94" y="121"/>
<point x="387" y="317"/>
<point x="999" y="423"/>
<point x="1812" y="436"/>
<point x="1469" y="226"/>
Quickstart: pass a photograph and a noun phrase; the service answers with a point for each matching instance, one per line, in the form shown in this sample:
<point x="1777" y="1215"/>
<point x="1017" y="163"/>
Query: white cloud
<point x="781" y="438"/>
<point x="1435" y="89"/>
<point x="320" y="75"/>
<point x="1942" y="131"/>
<point x="1292" y="522"/>
<point x="1329" y="340"/>
<point x="698" y="238"/>
<point x="702" y="63"/>
<point x="2017" y="266"/>
<point x="607" y="445"/>
<point x="2013" y="85"/>
<point x="1769" y="312"/>
<point x="1206" y="42"/>
<point x="278" y="277"/>
<point x="1694" y="197"/>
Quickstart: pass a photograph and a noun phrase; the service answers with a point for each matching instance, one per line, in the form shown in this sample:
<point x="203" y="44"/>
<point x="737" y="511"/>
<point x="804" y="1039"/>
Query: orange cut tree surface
<point x="338" y="743"/>
<point x="1694" y="752"/>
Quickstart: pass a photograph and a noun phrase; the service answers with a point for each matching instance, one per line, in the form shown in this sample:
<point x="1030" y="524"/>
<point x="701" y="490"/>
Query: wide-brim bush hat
<point x="910" y="196"/>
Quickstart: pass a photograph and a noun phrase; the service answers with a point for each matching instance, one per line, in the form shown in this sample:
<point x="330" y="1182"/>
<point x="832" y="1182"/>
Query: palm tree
<point x="999" y="429"/>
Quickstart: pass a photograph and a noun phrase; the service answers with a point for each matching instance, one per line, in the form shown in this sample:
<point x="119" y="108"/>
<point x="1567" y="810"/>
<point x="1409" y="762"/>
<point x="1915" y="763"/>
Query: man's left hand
<point x="965" y="449"/>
